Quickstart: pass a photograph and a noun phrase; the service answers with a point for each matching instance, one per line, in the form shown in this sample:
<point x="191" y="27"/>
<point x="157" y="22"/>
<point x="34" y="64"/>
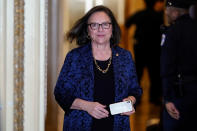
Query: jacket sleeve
<point x="65" y="87"/>
<point x="134" y="88"/>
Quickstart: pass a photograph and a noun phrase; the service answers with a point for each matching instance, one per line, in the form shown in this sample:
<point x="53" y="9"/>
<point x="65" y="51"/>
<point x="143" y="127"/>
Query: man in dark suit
<point x="179" y="68"/>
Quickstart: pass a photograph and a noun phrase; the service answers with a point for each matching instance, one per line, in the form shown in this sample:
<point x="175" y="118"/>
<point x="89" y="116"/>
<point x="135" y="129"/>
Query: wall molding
<point x="18" y="64"/>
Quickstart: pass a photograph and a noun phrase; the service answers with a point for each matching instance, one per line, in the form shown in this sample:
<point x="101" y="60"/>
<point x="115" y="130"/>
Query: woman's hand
<point x="96" y="110"/>
<point x="133" y="100"/>
<point x="172" y="110"/>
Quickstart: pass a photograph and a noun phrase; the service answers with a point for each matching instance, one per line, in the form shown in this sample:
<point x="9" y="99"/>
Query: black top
<point x="104" y="94"/>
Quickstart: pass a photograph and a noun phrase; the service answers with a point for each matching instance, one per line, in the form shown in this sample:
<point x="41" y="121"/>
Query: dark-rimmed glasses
<point x="95" y="26"/>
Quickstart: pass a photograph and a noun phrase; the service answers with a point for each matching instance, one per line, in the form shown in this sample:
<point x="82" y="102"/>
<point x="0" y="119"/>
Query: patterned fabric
<point x="76" y="80"/>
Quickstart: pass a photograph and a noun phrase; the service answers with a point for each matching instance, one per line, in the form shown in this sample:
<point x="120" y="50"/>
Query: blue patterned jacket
<point x="76" y="80"/>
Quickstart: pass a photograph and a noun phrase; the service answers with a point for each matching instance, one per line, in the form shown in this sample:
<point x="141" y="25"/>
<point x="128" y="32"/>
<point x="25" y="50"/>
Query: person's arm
<point x="65" y="93"/>
<point x="65" y="86"/>
<point x="168" y="69"/>
<point x="135" y="91"/>
<point x="131" y="20"/>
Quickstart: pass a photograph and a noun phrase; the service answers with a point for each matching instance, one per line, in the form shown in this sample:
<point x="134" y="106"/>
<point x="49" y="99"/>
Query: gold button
<point x="117" y="54"/>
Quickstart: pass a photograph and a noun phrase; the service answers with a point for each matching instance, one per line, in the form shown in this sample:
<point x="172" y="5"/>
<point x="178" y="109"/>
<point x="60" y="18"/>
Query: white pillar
<point x="34" y="65"/>
<point x="6" y="64"/>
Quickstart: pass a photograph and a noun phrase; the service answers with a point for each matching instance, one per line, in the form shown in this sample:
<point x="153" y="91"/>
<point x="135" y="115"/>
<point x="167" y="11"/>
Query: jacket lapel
<point x="117" y="71"/>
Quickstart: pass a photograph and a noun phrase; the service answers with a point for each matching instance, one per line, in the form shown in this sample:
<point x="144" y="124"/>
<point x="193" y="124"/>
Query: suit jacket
<point x="76" y="80"/>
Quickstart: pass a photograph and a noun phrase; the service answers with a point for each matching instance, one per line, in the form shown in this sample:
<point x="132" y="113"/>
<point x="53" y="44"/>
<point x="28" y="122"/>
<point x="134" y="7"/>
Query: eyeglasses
<point x="95" y="26"/>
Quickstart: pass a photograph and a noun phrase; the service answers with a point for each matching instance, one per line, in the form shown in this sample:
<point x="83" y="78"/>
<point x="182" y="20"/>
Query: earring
<point x="88" y="37"/>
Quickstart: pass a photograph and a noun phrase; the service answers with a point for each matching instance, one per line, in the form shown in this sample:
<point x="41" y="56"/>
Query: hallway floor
<point x="146" y="113"/>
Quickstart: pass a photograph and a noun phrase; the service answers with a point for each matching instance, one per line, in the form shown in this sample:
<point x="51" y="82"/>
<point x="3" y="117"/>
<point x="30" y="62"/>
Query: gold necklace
<point x="108" y="65"/>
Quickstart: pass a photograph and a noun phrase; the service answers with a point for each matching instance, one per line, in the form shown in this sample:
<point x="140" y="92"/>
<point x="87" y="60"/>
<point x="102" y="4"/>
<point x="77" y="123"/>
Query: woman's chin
<point x="101" y="41"/>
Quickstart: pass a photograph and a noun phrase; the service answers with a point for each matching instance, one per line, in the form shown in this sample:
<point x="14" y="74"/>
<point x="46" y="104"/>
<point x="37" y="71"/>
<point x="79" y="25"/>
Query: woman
<point x="96" y="74"/>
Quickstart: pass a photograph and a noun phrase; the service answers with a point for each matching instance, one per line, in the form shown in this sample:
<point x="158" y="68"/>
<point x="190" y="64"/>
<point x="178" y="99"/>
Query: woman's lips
<point x="100" y="35"/>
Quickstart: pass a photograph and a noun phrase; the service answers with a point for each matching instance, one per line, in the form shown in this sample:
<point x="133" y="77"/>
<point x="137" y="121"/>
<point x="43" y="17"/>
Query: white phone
<point x="120" y="107"/>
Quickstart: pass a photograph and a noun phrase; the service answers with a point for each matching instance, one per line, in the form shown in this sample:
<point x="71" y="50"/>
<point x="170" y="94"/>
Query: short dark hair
<point x="79" y="31"/>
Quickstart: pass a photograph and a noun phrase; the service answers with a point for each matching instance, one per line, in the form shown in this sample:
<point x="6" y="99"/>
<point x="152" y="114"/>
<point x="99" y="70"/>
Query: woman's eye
<point x="105" y="24"/>
<point x="94" y="24"/>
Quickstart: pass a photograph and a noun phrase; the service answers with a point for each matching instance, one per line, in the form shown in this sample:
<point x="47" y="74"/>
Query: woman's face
<point x="100" y="28"/>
